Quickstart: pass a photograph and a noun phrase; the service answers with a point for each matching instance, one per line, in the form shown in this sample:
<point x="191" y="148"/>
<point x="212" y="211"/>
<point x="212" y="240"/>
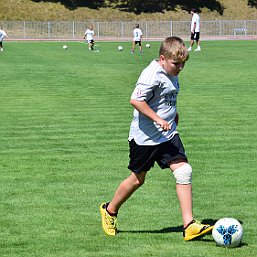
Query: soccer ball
<point x="120" y="48"/>
<point x="227" y="232"/>
<point x="65" y="47"/>
<point x="147" y="45"/>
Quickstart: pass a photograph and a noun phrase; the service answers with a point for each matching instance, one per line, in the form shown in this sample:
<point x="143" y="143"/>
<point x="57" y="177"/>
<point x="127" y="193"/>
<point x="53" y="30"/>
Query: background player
<point x="195" y="31"/>
<point x="2" y="36"/>
<point x="89" y="36"/>
<point x="137" y="38"/>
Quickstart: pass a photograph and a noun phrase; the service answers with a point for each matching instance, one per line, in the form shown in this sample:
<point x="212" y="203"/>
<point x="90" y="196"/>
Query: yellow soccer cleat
<point x="196" y="229"/>
<point x="109" y="223"/>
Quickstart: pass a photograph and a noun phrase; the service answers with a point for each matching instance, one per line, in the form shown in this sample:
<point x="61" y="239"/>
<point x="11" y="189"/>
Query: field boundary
<point x="122" y="31"/>
<point x="110" y="39"/>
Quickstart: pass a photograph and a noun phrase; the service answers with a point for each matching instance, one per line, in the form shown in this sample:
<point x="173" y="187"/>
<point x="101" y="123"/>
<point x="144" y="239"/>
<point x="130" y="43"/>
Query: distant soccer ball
<point x="65" y="47"/>
<point x="227" y="232"/>
<point x="120" y="48"/>
<point x="148" y="45"/>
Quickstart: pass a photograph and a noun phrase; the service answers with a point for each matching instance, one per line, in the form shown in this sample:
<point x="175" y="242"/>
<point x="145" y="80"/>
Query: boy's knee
<point x="183" y="174"/>
<point x="140" y="182"/>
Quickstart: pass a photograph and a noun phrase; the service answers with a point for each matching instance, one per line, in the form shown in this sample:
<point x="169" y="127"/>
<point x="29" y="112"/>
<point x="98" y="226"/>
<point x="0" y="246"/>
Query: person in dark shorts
<point x="153" y="137"/>
<point x="137" y="38"/>
<point x="89" y="36"/>
<point x="195" y="30"/>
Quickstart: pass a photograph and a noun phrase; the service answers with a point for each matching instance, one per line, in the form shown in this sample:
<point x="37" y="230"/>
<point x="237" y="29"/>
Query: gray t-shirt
<point x="159" y="90"/>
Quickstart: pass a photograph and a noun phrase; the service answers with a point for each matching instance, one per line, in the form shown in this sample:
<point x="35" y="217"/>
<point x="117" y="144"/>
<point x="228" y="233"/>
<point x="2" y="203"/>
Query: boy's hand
<point x="163" y="124"/>
<point x="144" y="108"/>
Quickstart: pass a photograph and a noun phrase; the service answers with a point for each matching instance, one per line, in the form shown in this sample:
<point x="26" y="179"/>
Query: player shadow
<point x="177" y="229"/>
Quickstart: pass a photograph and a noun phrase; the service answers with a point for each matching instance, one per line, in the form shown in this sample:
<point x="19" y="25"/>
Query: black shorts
<point x="138" y="42"/>
<point x="143" y="157"/>
<point x="195" y="36"/>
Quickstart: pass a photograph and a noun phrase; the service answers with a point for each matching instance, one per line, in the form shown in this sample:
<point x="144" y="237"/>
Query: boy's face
<point x="170" y="66"/>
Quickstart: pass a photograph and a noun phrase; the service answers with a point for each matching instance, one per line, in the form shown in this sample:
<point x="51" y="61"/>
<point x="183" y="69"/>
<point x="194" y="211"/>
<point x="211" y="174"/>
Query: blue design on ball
<point x="227" y="233"/>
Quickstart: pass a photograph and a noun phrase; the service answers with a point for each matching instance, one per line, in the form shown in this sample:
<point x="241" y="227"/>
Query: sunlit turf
<point x="65" y="116"/>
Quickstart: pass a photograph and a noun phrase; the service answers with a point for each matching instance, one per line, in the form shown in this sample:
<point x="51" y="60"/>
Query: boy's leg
<point x="198" y="46"/>
<point x="192" y="229"/>
<point x="125" y="190"/>
<point x="133" y="47"/>
<point x="184" y="193"/>
<point x="192" y="42"/>
<point x="191" y="45"/>
<point x="140" y="48"/>
<point x="92" y="45"/>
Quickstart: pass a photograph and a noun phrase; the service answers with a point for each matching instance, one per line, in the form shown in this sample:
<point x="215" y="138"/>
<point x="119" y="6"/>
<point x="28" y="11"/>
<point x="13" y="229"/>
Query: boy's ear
<point x="161" y="58"/>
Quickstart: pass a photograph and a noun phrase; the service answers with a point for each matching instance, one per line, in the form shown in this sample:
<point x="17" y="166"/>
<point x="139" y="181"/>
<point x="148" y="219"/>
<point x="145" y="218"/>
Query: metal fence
<point x="117" y="30"/>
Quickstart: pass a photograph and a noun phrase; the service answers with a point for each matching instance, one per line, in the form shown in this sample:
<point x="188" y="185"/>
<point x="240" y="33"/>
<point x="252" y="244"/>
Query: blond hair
<point x="174" y="48"/>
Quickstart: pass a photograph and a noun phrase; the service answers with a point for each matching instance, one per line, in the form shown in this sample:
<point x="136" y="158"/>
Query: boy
<point x="89" y="35"/>
<point x="137" y="38"/>
<point x="153" y="137"/>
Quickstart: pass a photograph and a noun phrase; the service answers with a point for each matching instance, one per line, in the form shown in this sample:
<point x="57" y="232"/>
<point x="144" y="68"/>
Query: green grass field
<point x="65" y="116"/>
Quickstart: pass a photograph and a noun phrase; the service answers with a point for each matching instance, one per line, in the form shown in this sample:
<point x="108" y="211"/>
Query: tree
<point x="73" y="4"/>
<point x="141" y="6"/>
<point x="252" y="3"/>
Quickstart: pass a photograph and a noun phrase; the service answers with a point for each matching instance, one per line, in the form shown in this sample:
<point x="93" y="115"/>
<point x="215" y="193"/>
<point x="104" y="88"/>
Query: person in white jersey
<point x="137" y="39"/>
<point x="195" y="30"/>
<point x="2" y="36"/>
<point x="89" y="36"/>
<point x="153" y="137"/>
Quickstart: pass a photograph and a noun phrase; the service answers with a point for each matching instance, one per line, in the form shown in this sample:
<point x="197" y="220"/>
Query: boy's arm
<point x="144" y="108"/>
